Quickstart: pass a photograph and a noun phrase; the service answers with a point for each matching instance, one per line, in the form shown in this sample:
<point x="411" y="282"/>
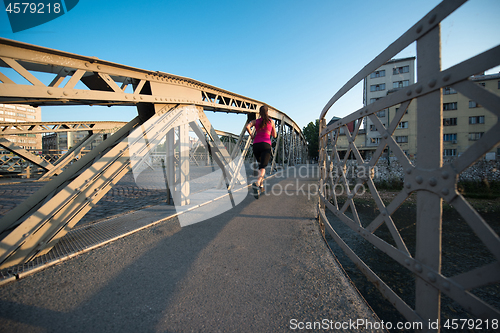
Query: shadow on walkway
<point x="260" y="267"/>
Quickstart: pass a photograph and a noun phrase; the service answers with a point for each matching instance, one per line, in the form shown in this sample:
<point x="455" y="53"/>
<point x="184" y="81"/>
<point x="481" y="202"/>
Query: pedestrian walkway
<point x="259" y="267"/>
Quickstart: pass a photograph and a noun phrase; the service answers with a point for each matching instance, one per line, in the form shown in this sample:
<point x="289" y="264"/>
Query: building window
<point x="373" y="128"/>
<point x="401" y="70"/>
<point x="449" y="91"/>
<point x="374" y="99"/>
<point x="401" y="84"/>
<point x="21" y="115"/>
<point x="476" y="120"/>
<point x="377" y="74"/>
<point x="450" y="106"/>
<point x="31" y="116"/>
<point x="402" y="139"/>
<point x="403" y="124"/>
<point x="450" y="137"/>
<point x="450" y="122"/>
<point x="377" y="87"/>
<point x="381" y="114"/>
<point x="482" y="84"/>
<point x="449" y="152"/>
<point x="475" y="136"/>
<point x="375" y="140"/>
<point x="473" y="104"/>
<point x="10" y="113"/>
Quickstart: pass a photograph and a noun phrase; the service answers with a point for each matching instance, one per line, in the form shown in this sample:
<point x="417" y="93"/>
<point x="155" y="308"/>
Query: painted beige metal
<point x="429" y="178"/>
<point x="59" y="126"/>
<point x="32" y="228"/>
<point x="27" y="155"/>
<point x="42" y="219"/>
<point x="106" y="83"/>
<point x="75" y="151"/>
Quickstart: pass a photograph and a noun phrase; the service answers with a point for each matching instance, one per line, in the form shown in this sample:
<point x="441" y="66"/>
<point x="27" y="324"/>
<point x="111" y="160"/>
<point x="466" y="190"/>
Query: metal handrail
<point x="428" y="177"/>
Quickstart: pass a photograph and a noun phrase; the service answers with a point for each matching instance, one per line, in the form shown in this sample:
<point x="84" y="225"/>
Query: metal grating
<point x="85" y="238"/>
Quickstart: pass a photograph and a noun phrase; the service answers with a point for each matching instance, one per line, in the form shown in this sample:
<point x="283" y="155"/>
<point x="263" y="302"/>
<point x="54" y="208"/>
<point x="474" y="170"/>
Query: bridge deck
<point x="254" y="268"/>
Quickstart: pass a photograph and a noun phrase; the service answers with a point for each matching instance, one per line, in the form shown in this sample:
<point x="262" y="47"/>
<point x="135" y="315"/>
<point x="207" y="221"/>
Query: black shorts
<point x="262" y="152"/>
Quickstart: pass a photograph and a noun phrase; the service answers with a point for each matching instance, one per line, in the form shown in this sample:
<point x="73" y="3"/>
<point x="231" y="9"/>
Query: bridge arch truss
<point x="169" y="106"/>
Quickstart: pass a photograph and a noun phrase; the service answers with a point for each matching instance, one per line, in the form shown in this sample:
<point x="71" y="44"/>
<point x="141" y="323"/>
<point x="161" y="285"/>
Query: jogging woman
<point x="264" y="129"/>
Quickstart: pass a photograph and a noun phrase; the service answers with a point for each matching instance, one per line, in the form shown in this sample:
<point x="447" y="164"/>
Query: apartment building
<point x="464" y="122"/>
<point x="13" y="113"/>
<point x="57" y="143"/>
<point x="393" y="75"/>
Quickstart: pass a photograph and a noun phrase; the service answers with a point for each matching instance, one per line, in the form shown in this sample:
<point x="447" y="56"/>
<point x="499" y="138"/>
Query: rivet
<point x="446" y="78"/>
<point x="26" y="235"/>
<point x="432" y="19"/>
<point x="419" y="179"/>
<point x="65" y="93"/>
<point x="384" y="212"/>
<point x="432" y="182"/>
<point x="408" y="185"/>
<point x="446" y="285"/>
<point x="87" y="64"/>
<point x="408" y="93"/>
<point x="386" y="136"/>
<point x="418" y="89"/>
<point x="98" y="67"/>
<point x="419" y="29"/>
<point x="432" y="83"/>
<point x="445" y="191"/>
<point x="418" y="268"/>
<point x="50" y="92"/>
<point x="445" y="174"/>
<point x="407" y="262"/>
<point x="408" y="171"/>
<point x="431" y="277"/>
<point x="126" y="97"/>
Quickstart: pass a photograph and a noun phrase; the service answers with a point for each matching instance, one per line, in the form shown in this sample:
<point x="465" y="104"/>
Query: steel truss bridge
<point x="169" y="107"/>
<point x="432" y="181"/>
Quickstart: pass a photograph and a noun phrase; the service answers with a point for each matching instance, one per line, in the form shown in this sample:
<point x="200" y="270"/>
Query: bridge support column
<point x="429" y="205"/>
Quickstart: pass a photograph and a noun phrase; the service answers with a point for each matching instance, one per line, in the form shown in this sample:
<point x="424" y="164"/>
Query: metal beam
<point x="26" y="155"/>
<point x="59" y="126"/>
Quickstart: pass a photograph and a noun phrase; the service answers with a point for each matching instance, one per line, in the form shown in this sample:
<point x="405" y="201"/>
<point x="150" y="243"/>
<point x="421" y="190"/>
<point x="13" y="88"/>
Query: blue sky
<point x="293" y="55"/>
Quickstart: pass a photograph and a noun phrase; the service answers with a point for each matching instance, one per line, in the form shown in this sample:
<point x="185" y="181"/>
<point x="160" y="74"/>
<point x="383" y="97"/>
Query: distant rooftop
<point x="400" y="60"/>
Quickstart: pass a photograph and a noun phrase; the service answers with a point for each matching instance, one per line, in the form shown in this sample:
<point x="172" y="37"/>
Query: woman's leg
<point x="262" y="173"/>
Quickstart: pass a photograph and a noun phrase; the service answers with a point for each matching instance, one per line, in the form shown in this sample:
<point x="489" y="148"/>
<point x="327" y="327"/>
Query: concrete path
<point x="259" y="267"/>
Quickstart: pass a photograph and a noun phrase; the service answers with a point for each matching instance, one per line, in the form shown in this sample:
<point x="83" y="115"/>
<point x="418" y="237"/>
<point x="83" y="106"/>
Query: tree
<point x="311" y="133"/>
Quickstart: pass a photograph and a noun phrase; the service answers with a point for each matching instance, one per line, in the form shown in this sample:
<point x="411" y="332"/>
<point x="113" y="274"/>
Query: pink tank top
<point x="262" y="134"/>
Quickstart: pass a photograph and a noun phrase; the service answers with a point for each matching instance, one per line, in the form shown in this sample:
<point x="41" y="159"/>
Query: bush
<point x="483" y="189"/>
<point x="393" y="184"/>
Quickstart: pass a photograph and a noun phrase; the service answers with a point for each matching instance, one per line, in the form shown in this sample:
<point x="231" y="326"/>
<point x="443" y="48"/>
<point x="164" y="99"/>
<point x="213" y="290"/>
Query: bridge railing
<point x="428" y="177"/>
